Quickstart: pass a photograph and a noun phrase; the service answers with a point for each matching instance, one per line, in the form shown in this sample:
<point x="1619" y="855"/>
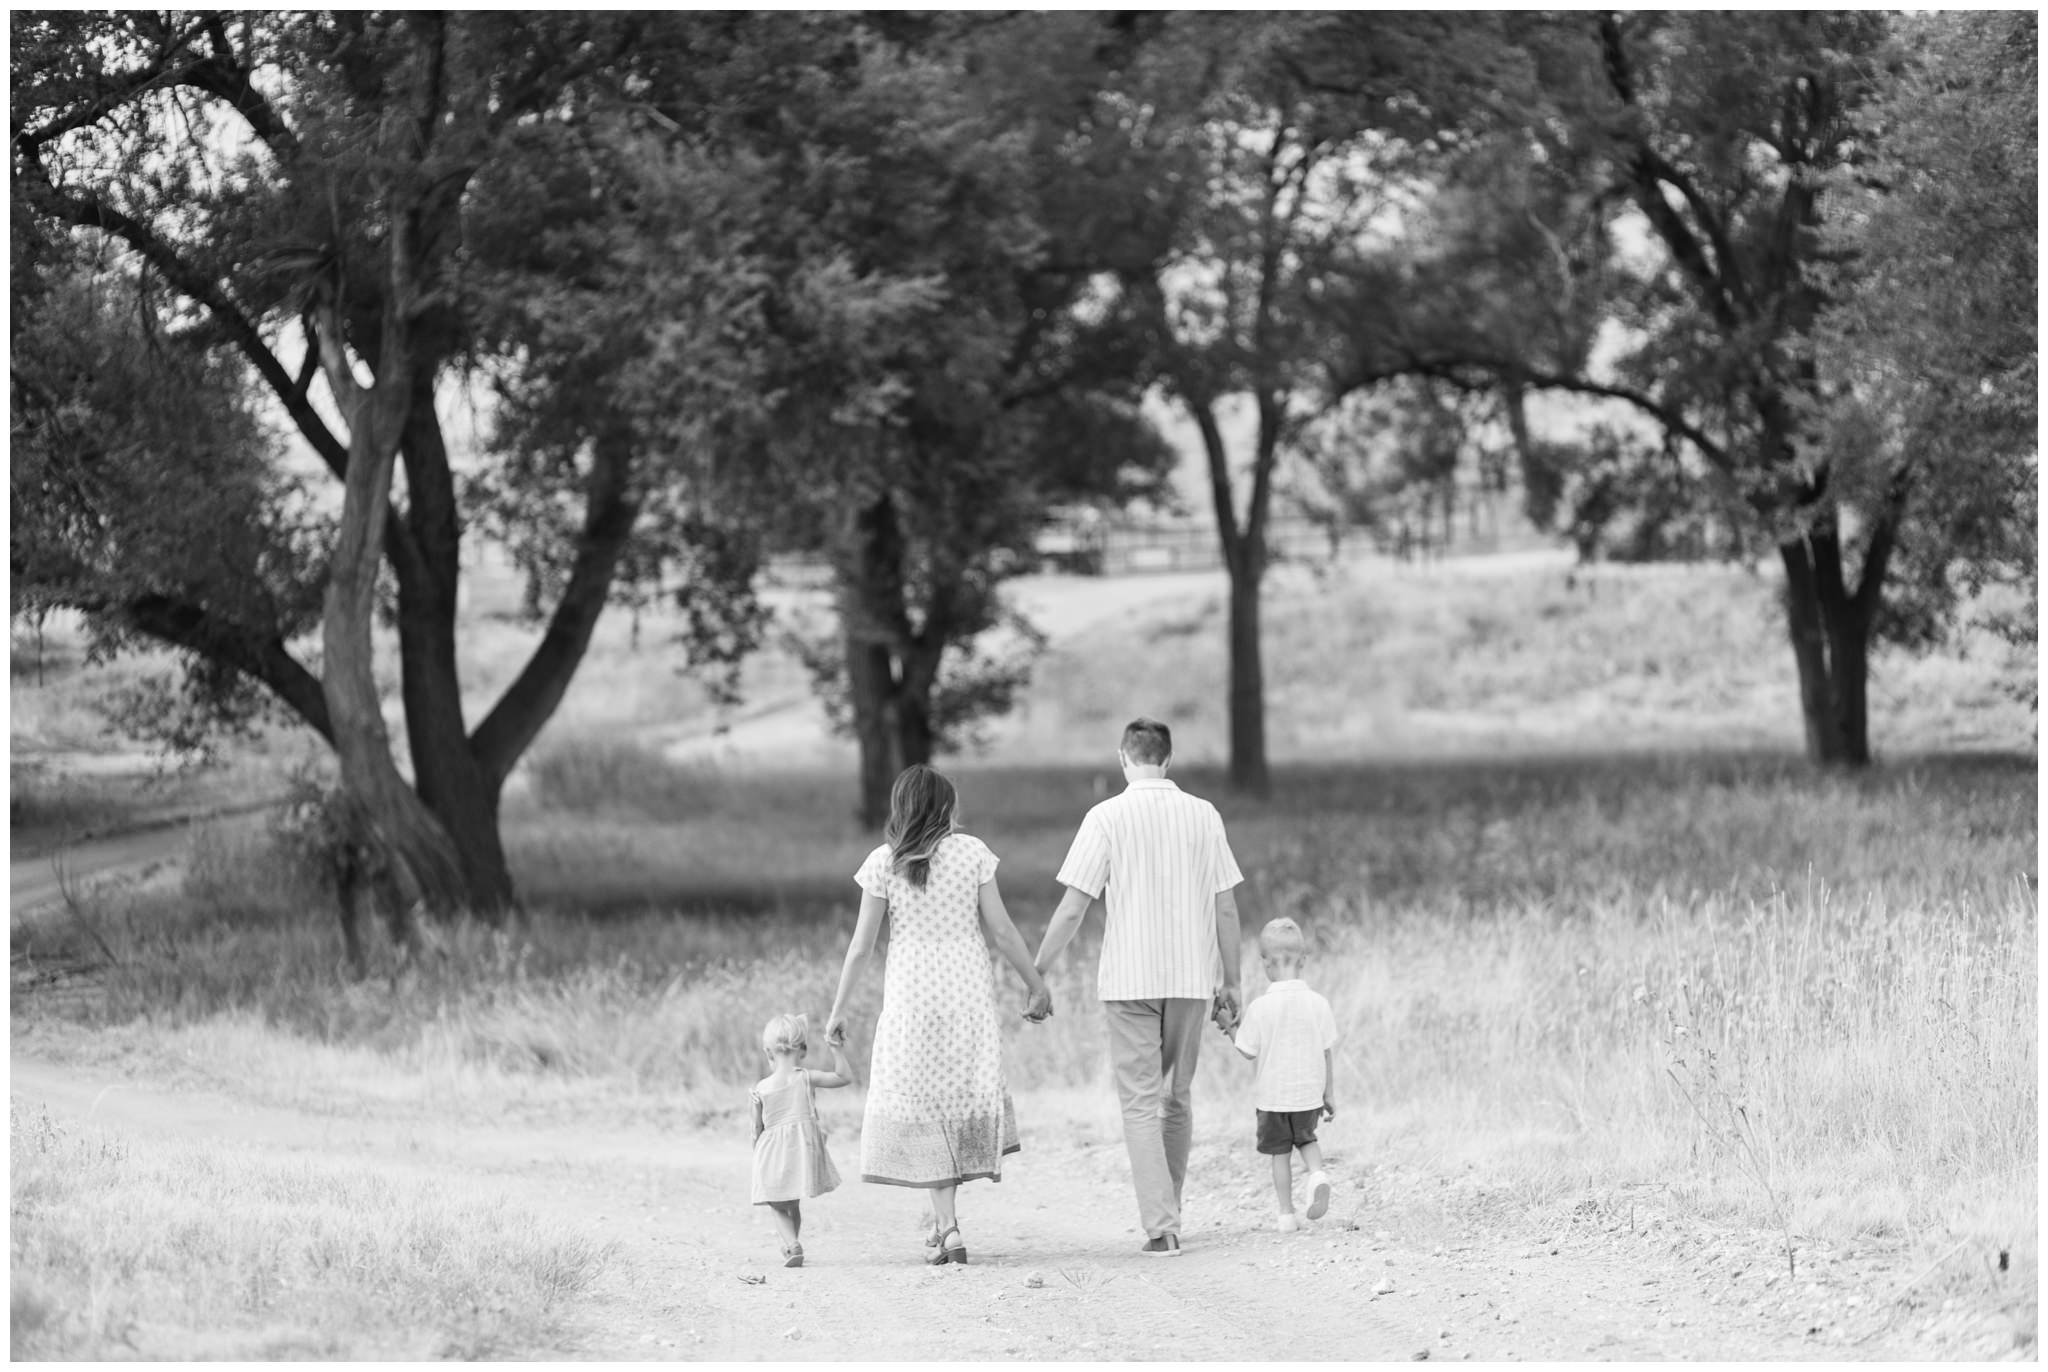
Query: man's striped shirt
<point x="1157" y="857"/>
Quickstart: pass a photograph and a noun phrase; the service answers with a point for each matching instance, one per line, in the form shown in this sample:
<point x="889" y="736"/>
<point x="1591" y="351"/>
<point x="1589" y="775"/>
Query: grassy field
<point x="126" y="1251"/>
<point x="1587" y="922"/>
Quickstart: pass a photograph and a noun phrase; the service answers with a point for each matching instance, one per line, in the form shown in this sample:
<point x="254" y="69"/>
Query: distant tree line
<point x="889" y="288"/>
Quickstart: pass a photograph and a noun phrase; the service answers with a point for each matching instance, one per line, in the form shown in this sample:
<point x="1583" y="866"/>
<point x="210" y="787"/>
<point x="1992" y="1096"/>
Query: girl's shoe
<point x="792" y="1255"/>
<point x="1287" y="1223"/>
<point x="948" y="1252"/>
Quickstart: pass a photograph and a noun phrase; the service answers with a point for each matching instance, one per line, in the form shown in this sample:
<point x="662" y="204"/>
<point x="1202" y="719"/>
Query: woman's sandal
<point x="947" y="1253"/>
<point x="792" y="1255"/>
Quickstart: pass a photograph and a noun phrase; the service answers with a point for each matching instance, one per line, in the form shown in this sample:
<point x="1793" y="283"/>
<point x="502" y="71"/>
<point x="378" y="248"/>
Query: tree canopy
<point x="890" y="289"/>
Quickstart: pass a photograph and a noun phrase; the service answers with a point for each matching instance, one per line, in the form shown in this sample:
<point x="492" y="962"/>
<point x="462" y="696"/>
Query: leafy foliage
<point x="1932" y="327"/>
<point x="105" y="495"/>
<point x="933" y="371"/>
<point x="1662" y="210"/>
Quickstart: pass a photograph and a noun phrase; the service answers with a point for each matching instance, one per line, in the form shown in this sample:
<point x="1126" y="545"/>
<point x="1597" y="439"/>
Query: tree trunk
<point x="876" y="627"/>
<point x="1244" y="558"/>
<point x="447" y="773"/>
<point x="917" y="677"/>
<point x="350" y="897"/>
<point x="392" y="815"/>
<point x="871" y="690"/>
<point x="1849" y="663"/>
<point x="1830" y="633"/>
<point x="1248" y="772"/>
<point x="891" y="700"/>
<point x="465" y="800"/>
<point x="395" y="817"/>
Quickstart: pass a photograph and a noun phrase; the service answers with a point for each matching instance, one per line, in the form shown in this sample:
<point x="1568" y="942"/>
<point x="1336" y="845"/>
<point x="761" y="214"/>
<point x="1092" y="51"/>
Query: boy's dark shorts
<point x="1283" y="1131"/>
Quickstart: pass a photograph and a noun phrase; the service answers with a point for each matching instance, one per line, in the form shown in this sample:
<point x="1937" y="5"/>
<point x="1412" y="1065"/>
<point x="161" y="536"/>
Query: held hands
<point x="1329" y="1108"/>
<point x="835" y="1030"/>
<point x="1038" y="1007"/>
<point x="1223" y="1010"/>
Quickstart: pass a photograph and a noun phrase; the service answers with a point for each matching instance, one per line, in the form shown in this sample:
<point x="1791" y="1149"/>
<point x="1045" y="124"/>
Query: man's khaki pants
<point x="1153" y="1045"/>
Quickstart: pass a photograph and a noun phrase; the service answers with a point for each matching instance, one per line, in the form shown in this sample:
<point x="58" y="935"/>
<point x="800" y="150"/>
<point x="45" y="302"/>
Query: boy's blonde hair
<point x="1282" y="938"/>
<point x="785" y="1034"/>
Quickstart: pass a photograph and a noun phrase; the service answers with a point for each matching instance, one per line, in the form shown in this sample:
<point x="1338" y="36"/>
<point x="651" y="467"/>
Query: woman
<point x="938" y="1112"/>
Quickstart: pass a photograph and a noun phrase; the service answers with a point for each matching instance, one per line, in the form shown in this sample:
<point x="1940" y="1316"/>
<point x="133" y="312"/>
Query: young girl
<point x="790" y="1161"/>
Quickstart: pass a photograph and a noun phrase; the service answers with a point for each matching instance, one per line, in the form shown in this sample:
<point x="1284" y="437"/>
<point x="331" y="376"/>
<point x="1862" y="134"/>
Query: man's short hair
<point x="1147" y="742"/>
<point x="1282" y="938"/>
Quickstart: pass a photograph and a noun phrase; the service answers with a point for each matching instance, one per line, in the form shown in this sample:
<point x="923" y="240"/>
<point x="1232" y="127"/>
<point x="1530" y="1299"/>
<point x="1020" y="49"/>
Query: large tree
<point x="1676" y="176"/>
<point x="1293" y="144"/>
<point x="951" y="169"/>
<point x="317" y="184"/>
<point x="1930" y="343"/>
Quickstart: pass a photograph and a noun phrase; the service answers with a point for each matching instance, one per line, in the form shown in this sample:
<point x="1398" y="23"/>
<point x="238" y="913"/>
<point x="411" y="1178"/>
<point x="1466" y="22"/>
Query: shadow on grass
<point x="1458" y="830"/>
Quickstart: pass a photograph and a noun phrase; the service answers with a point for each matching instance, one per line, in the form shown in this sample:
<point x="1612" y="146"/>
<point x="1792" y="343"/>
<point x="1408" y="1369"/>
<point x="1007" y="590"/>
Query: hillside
<point x="1526" y="652"/>
<point x="1365" y="659"/>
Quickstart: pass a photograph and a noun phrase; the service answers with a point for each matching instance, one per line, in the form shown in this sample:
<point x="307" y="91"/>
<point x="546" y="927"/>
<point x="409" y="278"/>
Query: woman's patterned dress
<point x="938" y="1112"/>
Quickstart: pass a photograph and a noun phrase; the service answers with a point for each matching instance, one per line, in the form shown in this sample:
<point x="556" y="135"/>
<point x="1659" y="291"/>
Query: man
<point x="1159" y="859"/>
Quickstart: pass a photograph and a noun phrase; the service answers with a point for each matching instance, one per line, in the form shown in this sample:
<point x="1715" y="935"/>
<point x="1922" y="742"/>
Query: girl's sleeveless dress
<point x="790" y="1161"/>
<point x="938" y="1111"/>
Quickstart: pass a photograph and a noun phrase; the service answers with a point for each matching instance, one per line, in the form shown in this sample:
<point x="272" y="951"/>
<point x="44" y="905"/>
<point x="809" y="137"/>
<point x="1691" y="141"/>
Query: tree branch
<point x="226" y="79"/>
<point x="30" y="141"/>
<point x="1456" y="373"/>
<point x="611" y="512"/>
<point x="1647" y="171"/>
<point x="263" y="659"/>
<point x="1884" y="538"/>
<point x="240" y="329"/>
<point x="1728" y="274"/>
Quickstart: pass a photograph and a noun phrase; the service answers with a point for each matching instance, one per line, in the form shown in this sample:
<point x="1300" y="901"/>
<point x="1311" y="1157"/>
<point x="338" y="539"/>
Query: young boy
<point x="1289" y="1032"/>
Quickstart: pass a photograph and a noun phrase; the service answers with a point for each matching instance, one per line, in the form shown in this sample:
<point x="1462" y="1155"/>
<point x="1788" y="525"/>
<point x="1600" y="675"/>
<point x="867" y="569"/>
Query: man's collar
<point x="1152" y="784"/>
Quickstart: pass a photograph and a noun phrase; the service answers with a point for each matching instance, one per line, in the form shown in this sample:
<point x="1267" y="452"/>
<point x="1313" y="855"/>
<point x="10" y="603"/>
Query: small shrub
<point x="246" y="876"/>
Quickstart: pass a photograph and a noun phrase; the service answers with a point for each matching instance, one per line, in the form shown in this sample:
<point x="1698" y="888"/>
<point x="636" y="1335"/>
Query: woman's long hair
<point x="921" y="806"/>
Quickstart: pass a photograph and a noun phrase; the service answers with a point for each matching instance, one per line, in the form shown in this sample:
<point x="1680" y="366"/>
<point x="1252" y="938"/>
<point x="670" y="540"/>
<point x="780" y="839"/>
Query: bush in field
<point x="251" y="877"/>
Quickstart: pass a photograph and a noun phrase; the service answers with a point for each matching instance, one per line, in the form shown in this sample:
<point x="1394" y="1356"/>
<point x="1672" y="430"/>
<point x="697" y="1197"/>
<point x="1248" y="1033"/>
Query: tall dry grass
<point x="213" y="1250"/>
<point x="1559" y="951"/>
<point x="1787" y="996"/>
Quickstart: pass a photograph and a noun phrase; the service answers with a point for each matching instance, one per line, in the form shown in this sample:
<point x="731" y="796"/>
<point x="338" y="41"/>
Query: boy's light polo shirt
<point x="1157" y="857"/>
<point x="1286" y="1031"/>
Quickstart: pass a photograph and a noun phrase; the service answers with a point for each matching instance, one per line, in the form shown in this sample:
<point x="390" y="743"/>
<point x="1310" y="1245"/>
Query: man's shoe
<point x="1318" y="1195"/>
<point x="1162" y="1246"/>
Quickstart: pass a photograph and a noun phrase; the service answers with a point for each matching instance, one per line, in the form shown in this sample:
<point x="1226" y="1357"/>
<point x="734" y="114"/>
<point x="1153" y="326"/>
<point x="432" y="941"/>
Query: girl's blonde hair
<point x="921" y="808"/>
<point x="785" y="1034"/>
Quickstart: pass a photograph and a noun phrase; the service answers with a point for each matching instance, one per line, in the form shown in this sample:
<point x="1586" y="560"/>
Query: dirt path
<point x="1055" y="1272"/>
<point x="38" y="882"/>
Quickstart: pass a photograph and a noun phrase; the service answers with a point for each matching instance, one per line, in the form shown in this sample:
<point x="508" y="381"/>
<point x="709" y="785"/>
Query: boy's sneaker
<point x="1288" y="1224"/>
<point x="1318" y="1195"/>
<point x="1162" y="1246"/>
